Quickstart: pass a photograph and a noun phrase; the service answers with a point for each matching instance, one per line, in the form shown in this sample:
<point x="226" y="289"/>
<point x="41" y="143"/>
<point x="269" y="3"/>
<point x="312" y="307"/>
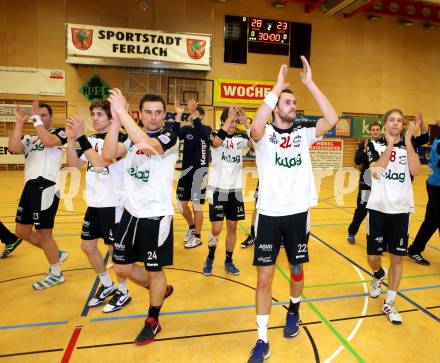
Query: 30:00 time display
<point x="271" y="31"/>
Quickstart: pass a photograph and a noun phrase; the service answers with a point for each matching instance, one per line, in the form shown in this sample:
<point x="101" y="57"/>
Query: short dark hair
<point x="104" y="104"/>
<point x="224" y="115"/>
<point x="151" y="97"/>
<point x="287" y="90"/>
<point x="200" y="110"/>
<point x="49" y="109"/>
<point x="375" y="123"/>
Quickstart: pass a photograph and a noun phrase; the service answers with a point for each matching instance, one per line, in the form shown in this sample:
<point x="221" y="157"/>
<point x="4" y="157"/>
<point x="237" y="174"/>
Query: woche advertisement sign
<point x="93" y="44"/>
<point x="241" y="91"/>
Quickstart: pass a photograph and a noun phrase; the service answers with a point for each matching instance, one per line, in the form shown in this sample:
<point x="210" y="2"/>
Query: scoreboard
<point x="268" y="36"/>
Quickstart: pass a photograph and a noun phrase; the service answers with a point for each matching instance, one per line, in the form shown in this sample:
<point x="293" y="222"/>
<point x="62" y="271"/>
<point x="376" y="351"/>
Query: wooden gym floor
<point x="212" y="319"/>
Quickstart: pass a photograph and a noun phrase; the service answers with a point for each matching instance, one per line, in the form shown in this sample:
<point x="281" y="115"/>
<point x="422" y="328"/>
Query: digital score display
<point x="268" y="36"/>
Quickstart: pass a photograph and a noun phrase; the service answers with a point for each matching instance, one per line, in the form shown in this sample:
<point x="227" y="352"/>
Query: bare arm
<point x="379" y="166"/>
<point x="264" y="111"/>
<point x="218" y="141"/>
<point x="330" y="118"/>
<point x="413" y="158"/>
<point x="14" y="143"/>
<point x="148" y="145"/>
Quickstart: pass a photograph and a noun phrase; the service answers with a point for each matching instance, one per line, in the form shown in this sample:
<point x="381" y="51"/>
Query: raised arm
<point x="379" y="165"/>
<point x="14" y="143"/>
<point x="413" y="157"/>
<point x="148" y="145"/>
<point x="113" y="149"/>
<point x="330" y="118"/>
<point x="220" y="136"/>
<point x="202" y="130"/>
<point x="179" y="112"/>
<point x="423" y="138"/>
<point x="47" y="139"/>
<point x="266" y="108"/>
<point x="72" y="157"/>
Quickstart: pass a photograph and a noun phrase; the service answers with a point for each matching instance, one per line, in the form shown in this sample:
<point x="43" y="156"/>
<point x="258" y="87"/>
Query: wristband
<point x="222" y="134"/>
<point x="36" y="120"/>
<point x="84" y="143"/>
<point x="271" y="100"/>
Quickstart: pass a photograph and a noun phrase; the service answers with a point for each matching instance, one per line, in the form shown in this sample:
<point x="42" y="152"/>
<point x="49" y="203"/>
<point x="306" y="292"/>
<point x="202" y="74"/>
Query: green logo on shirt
<point x="400" y="177"/>
<point x="231" y="159"/>
<point x="143" y="175"/>
<point x="103" y="171"/>
<point x="286" y="162"/>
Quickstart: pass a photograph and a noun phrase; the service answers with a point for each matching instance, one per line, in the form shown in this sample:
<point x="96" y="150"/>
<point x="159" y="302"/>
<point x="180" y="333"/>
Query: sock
<point x="197" y="235"/>
<point x="153" y="312"/>
<point x="379" y="273"/>
<point x="391" y="296"/>
<point x="262" y="322"/>
<point x="55" y="269"/>
<point x="105" y="279"/>
<point x="192" y="226"/>
<point x="253" y="231"/>
<point x="123" y="287"/>
<point x="229" y="256"/>
<point x="211" y="253"/>
<point x="294" y="304"/>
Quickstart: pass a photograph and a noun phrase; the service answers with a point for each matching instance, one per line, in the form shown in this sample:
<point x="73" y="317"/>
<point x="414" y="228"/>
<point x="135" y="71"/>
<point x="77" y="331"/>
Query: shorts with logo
<point x="147" y="240"/>
<point x="38" y="204"/>
<point x="192" y="185"/>
<point x="226" y="204"/>
<point x="387" y="232"/>
<point x="292" y="230"/>
<point x="101" y="223"/>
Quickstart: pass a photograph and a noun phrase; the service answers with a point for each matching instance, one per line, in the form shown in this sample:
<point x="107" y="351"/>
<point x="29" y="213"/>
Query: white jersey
<point x="148" y="179"/>
<point x="40" y="161"/>
<point x="286" y="182"/>
<point x="226" y="170"/>
<point x="393" y="192"/>
<point x="104" y="188"/>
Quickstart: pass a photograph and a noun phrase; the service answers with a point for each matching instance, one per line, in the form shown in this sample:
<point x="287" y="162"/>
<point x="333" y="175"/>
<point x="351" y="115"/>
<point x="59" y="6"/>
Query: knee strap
<point x="296" y="272"/>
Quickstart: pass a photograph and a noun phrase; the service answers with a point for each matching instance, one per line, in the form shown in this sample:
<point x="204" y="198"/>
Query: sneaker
<point x="292" y="325"/>
<point x="376" y="286"/>
<point x="102" y="293"/>
<point x="249" y="241"/>
<point x="63" y="255"/>
<point x="168" y="291"/>
<point x="10" y="248"/>
<point x="393" y="315"/>
<point x="49" y="281"/>
<point x="230" y="267"/>
<point x="149" y="331"/>
<point x="193" y="242"/>
<point x="419" y="259"/>
<point x="260" y="352"/>
<point x="351" y="239"/>
<point x="207" y="267"/>
<point x="117" y="302"/>
<point x="188" y="235"/>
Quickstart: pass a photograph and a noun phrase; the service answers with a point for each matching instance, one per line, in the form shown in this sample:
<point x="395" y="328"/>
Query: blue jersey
<point x="434" y="163"/>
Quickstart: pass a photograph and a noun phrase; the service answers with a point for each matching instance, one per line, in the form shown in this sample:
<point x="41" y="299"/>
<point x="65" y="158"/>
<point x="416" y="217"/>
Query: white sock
<point x="391" y="296"/>
<point x="55" y="269"/>
<point x="262" y="323"/>
<point x="105" y="278"/>
<point x="295" y="300"/>
<point x="123" y="287"/>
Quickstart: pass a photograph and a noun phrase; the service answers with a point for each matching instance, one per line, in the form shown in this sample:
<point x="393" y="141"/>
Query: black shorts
<point x="100" y="223"/>
<point x="192" y="186"/>
<point x="226" y="204"/>
<point x="387" y="232"/>
<point x="38" y="204"/>
<point x="147" y="240"/>
<point x="293" y="231"/>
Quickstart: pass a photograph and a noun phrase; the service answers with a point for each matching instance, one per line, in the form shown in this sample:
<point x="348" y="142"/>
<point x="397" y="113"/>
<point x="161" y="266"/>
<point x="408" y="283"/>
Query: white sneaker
<point x="117" y="302"/>
<point x="188" y="235"/>
<point x="194" y="242"/>
<point x="49" y="281"/>
<point x="102" y="293"/>
<point x="63" y="255"/>
<point x="376" y="286"/>
<point x="393" y="315"/>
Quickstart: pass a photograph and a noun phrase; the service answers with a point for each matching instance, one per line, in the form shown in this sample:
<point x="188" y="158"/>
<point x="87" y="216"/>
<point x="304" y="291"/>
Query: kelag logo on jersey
<point x="102" y="171"/>
<point x="400" y="177"/>
<point x="286" y="162"/>
<point x="36" y="147"/>
<point x="231" y="159"/>
<point x="143" y="175"/>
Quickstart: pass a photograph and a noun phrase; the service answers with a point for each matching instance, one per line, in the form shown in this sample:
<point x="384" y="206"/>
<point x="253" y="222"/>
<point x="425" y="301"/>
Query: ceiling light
<point x="430" y="26"/>
<point x="373" y="17"/>
<point x="405" y="22"/>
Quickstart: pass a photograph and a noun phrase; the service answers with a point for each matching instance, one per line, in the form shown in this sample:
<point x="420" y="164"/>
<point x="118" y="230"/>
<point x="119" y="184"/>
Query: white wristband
<point x="271" y="100"/>
<point x="36" y="120"/>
